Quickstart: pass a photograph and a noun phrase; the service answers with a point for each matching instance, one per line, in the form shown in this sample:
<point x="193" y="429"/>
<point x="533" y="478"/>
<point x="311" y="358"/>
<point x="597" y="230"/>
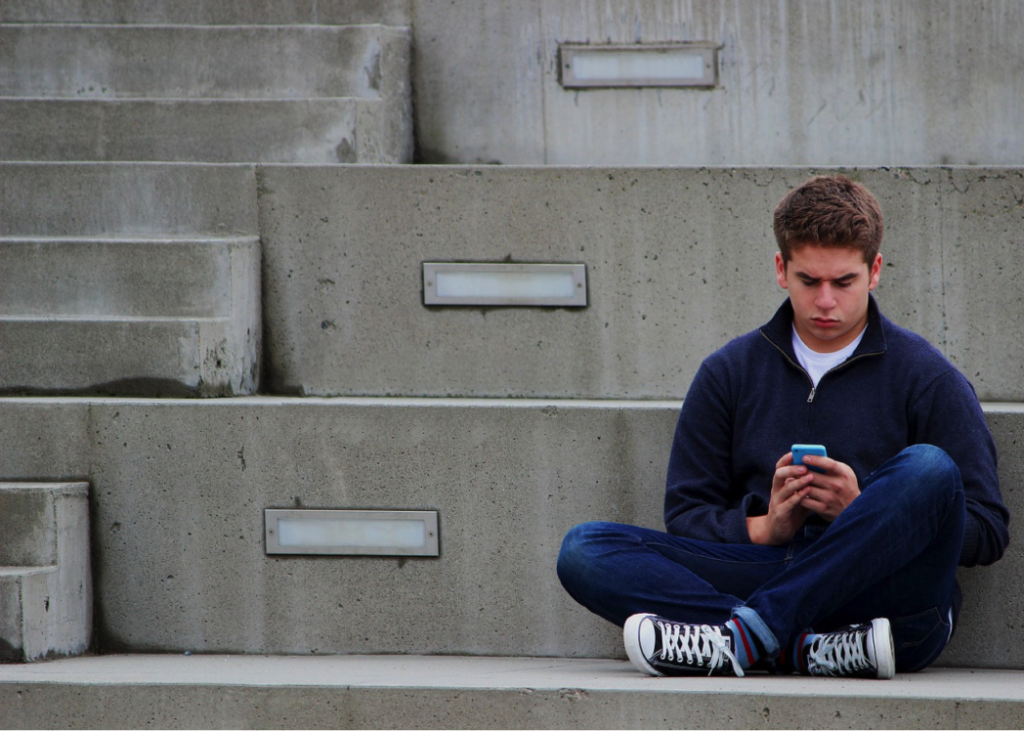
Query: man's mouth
<point x="824" y="321"/>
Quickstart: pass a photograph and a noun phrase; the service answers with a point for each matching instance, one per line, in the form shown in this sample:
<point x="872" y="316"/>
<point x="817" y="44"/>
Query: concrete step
<point x="125" y="356"/>
<point x="171" y="317"/>
<point x="129" y="279"/>
<point x="461" y="692"/>
<point x="208" y="12"/>
<point x="127" y="200"/>
<point x="203" y="62"/>
<point x="508" y="478"/>
<point x="298" y="94"/>
<point x="126" y="277"/>
<point x="45" y="570"/>
<point x="324" y="131"/>
<point x="679" y="261"/>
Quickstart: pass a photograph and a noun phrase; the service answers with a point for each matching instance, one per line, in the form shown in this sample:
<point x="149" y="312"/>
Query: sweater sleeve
<point x="698" y="498"/>
<point x="948" y="415"/>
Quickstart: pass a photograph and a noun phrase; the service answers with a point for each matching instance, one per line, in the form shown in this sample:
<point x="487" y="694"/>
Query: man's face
<point x="828" y="288"/>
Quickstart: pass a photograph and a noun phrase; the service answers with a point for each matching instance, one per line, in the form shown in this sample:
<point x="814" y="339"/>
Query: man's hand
<point x="829" y="493"/>
<point x="791" y="486"/>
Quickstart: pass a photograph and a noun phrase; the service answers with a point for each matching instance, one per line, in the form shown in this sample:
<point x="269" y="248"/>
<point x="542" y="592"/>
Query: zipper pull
<point x="810" y="398"/>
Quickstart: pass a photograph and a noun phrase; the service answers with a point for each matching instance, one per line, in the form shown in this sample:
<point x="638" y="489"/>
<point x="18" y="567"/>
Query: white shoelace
<point x="840" y="653"/>
<point x="696" y="646"/>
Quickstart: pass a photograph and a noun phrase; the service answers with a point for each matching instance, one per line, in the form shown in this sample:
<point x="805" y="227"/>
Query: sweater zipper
<point x="793" y="363"/>
<point x="814" y="389"/>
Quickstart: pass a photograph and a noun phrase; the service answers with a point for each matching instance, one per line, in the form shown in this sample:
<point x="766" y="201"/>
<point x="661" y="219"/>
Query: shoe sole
<point x="631" y="639"/>
<point x="885" y="652"/>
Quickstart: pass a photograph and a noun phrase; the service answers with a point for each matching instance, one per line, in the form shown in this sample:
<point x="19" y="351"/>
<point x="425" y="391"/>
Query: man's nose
<point x="826" y="299"/>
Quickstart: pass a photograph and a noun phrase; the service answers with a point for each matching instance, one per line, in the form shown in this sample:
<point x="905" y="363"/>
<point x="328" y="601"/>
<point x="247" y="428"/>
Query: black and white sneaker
<point x="861" y="651"/>
<point x="659" y="646"/>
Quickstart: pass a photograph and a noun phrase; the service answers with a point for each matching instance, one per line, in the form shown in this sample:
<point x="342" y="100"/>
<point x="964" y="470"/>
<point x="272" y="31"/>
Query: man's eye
<point x="843" y="285"/>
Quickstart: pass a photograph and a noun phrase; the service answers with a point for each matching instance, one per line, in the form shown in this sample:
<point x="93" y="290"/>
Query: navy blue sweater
<point x="751" y="400"/>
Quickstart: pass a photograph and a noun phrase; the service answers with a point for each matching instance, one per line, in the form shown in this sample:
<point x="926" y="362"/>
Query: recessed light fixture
<point x="505" y="285"/>
<point x="352" y="532"/>
<point x="684" y="64"/>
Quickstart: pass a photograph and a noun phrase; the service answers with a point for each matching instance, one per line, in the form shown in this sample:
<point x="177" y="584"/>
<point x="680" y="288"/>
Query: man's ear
<point x="875" y="272"/>
<point x="780" y="270"/>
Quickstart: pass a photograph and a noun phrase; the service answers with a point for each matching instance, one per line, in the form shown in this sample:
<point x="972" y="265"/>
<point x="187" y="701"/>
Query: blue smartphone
<point x="799" y="450"/>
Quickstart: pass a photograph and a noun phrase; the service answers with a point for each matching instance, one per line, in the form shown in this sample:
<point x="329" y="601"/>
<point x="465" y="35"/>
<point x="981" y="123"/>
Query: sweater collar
<point x="779" y="330"/>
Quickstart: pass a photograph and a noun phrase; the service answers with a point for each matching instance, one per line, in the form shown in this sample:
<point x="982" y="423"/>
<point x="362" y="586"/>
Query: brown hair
<point x="829" y="211"/>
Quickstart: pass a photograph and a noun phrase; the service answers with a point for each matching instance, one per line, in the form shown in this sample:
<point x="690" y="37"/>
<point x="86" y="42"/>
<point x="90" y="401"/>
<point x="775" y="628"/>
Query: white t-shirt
<point x="817" y="364"/>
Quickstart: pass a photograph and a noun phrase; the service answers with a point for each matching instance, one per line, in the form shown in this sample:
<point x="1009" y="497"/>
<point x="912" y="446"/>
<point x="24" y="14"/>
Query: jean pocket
<point x="919" y="639"/>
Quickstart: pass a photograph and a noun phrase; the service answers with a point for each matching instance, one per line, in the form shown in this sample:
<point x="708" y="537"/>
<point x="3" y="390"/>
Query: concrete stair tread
<point x="510" y="692"/>
<point x="164" y="356"/>
<point x="172" y="100"/>
<point x="42" y="319"/>
<point x="169" y="239"/>
<point x="119" y="200"/>
<point x="100" y="278"/>
<point x="209" y="12"/>
<point x="469" y="672"/>
<point x="301" y="131"/>
<point x="193" y="26"/>
<point x="224" y="61"/>
<point x="26" y="570"/>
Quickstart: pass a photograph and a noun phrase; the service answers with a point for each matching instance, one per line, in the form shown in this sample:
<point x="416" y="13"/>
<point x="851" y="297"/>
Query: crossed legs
<point x="892" y="553"/>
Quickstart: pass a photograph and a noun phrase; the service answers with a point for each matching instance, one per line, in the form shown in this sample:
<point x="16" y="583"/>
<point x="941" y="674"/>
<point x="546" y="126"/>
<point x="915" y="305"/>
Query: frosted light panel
<point x="631" y="65"/>
<point x="684" y="64"/>
<point x="352" y="532"/>
<point x="527" y="285"/>
<point x="476" y="285"/>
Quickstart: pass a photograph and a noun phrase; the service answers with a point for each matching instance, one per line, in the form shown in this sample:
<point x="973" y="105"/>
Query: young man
<point x="847" y="568"/>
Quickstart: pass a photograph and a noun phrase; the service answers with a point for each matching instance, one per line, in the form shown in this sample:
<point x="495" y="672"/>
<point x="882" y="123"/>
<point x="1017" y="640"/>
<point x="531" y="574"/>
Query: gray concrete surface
<point x="509" y="478"/>
<point x="502" y="477"/>
<point x="201" y="62"/>
<point x="292" y="131"/>
<point x="127" y="200"/>
<point x="300" y="94"/>
<point x="822" y="83"/>
<point x="126" y="280"/>
<point x="208" y="12"/>
<point x="127" y="277"/>
<point x="130" y="317"/>
<point x="46" y="595"/>
<point x="825" y="83"/>
<point x="679" y="260"/>
<point x="453" y="692"/>
<point x="994" y="600"/>
<point x="125" y="356"/>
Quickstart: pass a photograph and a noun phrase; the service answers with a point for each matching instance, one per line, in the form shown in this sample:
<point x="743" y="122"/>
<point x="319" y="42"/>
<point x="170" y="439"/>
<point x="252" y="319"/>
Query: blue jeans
<point x="892" y="553"/>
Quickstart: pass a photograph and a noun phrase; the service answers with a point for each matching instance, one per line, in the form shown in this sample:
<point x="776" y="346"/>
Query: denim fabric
<point x="892" y="553"/>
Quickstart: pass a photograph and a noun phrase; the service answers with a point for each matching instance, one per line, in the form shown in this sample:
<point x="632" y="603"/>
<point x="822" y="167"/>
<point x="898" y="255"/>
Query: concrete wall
<point x="827" y="82"/>
<point x="127" y="199"/>
<point x="249" y="93"/>
<point x="207" y="62"/>
<point x="46" y="597"/>
<point x="129" y="280"/>
<point x="679" y="261"/>
<point x="179" y="494"/>
<point x="179" y="489"/>
<point x="213" y="12"/>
